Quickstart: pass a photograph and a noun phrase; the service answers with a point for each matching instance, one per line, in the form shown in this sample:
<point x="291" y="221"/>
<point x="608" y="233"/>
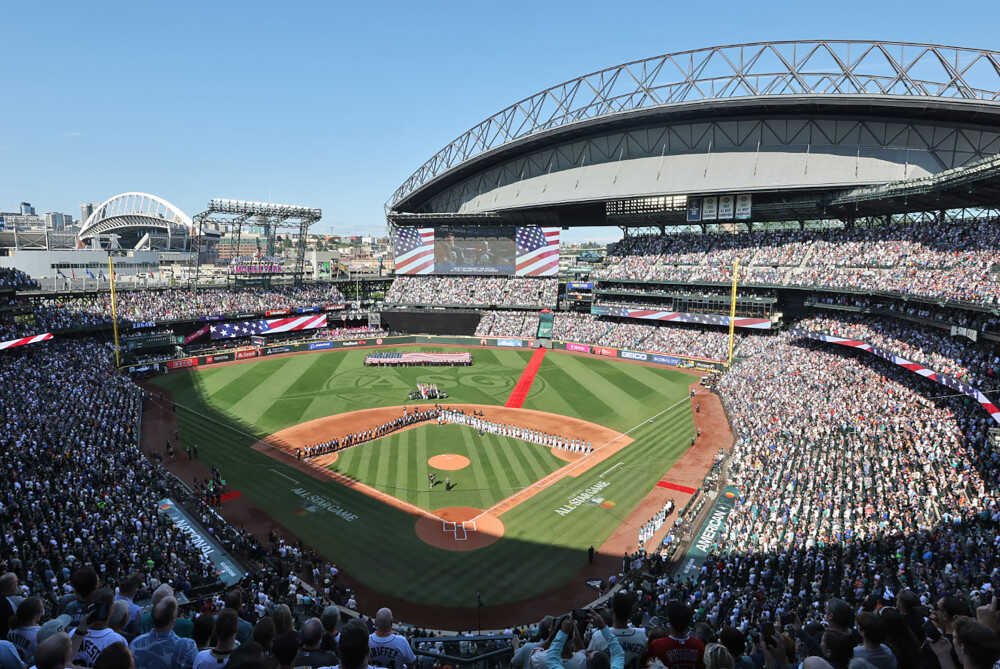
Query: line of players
<point x="515" y="431"/>
<point x="476" y="421"/>
<point x="355" y="438"/>
<point x="648" y="529"/>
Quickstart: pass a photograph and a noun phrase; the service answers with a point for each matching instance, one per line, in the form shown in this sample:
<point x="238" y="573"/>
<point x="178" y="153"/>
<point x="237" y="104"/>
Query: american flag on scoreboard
<point x="537" y="251"/>
<point x="414" y="250"/>
<point x="268" y="326"/>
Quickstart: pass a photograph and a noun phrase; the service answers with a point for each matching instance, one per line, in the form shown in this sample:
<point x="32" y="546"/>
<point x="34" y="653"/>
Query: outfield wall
<point x="248" y="353"/>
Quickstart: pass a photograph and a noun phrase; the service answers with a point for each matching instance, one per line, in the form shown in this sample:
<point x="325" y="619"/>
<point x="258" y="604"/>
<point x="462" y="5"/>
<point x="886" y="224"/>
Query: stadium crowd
<point x="139" y="306"/>
<point x="476" y="291"/>
<point x="954" y="261"/>
<point x="697" y="341"/>
<point x="957" y="357"/>
<point x="16" y="279"/>
<point x="862" y="490"/>
<point x="82" y="542"/>
<point x="508" y="324"/>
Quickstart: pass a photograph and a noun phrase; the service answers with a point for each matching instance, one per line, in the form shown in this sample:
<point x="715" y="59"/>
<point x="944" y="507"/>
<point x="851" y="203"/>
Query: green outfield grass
<point x="226" y="409"/>
<point x="397" y="464"/>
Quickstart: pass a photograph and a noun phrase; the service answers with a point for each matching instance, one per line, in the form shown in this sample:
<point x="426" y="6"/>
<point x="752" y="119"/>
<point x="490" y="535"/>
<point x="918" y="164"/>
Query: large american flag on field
<point x="414" y="248"/>
<point x="268" y="326"/>
<point x="396" y="358"/>
<point x="537" y="251"/>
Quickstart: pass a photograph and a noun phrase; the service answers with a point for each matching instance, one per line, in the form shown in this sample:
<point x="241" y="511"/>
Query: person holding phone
<point x="570" y="624"/>
<point x="93" y="633"/>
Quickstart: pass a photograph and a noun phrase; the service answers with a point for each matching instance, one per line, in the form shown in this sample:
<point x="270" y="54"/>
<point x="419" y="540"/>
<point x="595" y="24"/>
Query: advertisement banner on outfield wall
<point x="226" y="568"/>
<point x="603" y="350"/>
<point x="277" y="312"/>
<point x="306" y="310"/>
<point x="317" y="345"/>
<point x="582" y="348"/>
<point x="277" y="349"/>
<point x="180" y="364"/>
<point x="334" y="307"/>
<point x="213" y="317"/>
<point x="510" y="342"/>
<point x="665" y="360"/>
<point x="243" y="355"/>
<point x="632" y="355"/>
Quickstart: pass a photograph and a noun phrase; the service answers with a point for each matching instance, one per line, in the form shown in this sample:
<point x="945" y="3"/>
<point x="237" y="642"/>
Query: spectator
<point x="54" y="652"/>
<point x="118" y="618"/>
<point x="116" y="656"/>
<point x="286" y="648"/>
<point x="94" y="628"/>
<point x="162" y="648"/>
<point x="24" y="628"/>
<point x="355" y="645"/>
<point x="216" y="657"/>
<point x="203" y="631"/>
<point x="522" y="654"/>
<point x="331" y="637"/>
<point x="9" y="601"/>
<point x="312" y="653"/>
<point x="632" y="639"/>
<point x="389" y="649"/>
<point x="873" y="649"/>
<point x="679" y="650"/>
<point x="126" y="593"/>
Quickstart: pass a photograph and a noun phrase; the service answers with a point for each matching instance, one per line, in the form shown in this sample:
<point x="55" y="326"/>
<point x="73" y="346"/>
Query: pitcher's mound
<point x="457" y="535"/>
<point x="449" y="462"/>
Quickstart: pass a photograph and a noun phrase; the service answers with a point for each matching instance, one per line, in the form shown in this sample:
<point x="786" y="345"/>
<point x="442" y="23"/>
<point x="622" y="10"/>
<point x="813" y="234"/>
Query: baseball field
<point x="372" y="510"/>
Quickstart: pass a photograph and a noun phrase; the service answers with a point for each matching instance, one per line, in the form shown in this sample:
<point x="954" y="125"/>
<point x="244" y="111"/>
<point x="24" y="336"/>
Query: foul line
<point x="284" y="475"/>
<point x="612" y="469"/>
<point x="564" y="471"/>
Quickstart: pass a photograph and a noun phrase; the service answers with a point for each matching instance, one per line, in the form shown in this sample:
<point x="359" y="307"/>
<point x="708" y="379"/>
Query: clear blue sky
<point x="333" y="104"/>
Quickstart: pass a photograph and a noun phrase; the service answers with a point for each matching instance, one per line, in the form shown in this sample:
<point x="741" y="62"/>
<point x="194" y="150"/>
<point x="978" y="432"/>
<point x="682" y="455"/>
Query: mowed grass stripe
<point x="594" y="376"/>
<point x="499" y="466"/>
<point x="421" y="457"/>
<point x="534" y="457"/>
<point x="288" y="407"/>
<point x="478" y="471"/>
<point x="512" y="461"/>
<point x="237" y="388"/>
<point x="573" y="393"/>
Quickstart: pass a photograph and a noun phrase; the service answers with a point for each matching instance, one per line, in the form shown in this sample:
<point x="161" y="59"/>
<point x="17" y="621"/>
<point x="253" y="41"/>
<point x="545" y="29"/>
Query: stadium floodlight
<point x="227" y="206"/>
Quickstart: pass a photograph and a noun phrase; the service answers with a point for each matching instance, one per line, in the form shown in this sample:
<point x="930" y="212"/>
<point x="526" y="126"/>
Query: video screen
<point x="474" y="250"/>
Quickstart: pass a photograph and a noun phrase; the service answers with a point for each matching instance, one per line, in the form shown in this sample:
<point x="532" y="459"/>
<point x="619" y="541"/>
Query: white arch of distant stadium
<point x="135" y="210"/>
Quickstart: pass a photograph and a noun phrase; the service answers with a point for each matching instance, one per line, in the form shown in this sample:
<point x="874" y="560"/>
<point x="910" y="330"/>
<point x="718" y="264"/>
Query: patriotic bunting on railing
<point x="914" y="367"/>
<point x="33" y="339"/>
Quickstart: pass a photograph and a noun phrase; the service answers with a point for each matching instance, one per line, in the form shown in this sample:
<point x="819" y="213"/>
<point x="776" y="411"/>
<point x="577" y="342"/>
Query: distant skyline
<point x="333" y="105"/>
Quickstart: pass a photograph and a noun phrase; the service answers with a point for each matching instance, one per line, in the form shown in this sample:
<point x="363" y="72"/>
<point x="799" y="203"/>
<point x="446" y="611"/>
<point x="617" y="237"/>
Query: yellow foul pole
<point x="114" y="311"/>
<point x="732" y="311"/>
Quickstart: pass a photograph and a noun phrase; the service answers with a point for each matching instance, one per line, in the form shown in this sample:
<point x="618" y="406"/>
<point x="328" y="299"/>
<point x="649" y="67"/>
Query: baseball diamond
<point x="288" y="401"/>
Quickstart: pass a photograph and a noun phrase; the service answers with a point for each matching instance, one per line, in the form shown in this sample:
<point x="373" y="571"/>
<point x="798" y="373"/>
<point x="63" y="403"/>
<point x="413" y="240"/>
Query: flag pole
<point x="732" y="311"/>
<point x="114" y="312"/>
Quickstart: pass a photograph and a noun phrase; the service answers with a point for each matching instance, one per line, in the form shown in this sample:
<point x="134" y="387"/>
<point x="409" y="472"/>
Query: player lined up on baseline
<point x="355" y="438"/>
<point x="504" y="430"/>
<point x="649" y="528"/>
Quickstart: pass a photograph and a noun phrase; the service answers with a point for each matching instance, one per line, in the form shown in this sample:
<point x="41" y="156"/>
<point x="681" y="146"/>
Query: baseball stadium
<point x="776" y="396"/>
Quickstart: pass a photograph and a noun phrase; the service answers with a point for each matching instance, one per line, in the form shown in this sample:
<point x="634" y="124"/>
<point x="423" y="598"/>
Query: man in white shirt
<point x="96" y="634"/>
<point x="388" y="649"/>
